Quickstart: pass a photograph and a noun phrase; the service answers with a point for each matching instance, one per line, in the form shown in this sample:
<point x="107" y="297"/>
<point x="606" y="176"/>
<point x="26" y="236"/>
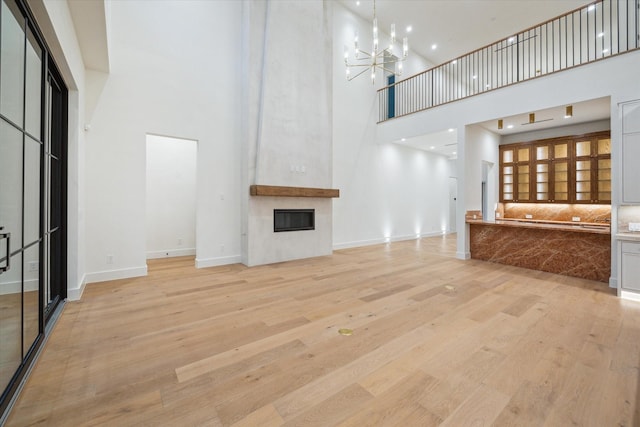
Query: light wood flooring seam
<point x="436" y="342"/>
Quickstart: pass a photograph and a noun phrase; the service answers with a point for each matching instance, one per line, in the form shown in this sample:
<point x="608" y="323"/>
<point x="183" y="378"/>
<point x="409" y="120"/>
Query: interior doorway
<point x="171" y="196"/>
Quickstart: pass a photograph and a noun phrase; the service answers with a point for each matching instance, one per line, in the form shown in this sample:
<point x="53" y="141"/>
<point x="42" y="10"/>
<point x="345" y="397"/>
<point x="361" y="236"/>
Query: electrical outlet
<point x="33" y="266"/>
<point x="179" y="242"/>
<point x="109" y="259"/>
<point x="221" y="248"/>
<point x="528" y="216"/>
<point x="634" y="226"/>
<point x="575" y="219"/>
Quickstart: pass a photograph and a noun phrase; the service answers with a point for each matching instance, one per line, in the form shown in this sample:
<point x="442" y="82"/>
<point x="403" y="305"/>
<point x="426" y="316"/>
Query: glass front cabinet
<point x="573" y="169"/>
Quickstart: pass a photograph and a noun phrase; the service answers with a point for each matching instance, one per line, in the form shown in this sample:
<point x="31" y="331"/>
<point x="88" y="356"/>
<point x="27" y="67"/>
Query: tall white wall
<point x="171" y="196"/>
<point x="174" y="71"/>
<point x="387" y="191"/>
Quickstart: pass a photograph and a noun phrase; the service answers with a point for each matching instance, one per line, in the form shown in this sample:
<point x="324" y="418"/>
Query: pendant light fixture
<point x="383" y="59"/>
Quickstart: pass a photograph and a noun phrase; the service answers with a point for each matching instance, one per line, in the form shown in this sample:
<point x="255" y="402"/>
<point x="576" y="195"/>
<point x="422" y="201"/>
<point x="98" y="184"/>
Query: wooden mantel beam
<point x="277" y="191"/>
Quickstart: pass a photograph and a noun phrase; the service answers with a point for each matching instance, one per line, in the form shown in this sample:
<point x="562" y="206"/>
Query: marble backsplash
<point x="627" y="214"/>
<point x="555" y="211"/>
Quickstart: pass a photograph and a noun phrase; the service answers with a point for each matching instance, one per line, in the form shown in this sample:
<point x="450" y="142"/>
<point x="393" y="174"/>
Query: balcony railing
<point x="601" y="30"/>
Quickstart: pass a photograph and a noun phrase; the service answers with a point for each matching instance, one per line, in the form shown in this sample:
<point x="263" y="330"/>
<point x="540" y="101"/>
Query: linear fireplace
<point x="293" y="219"/>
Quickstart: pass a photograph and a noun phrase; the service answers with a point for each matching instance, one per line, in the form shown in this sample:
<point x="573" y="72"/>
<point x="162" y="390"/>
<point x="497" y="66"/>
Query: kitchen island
<point x="571" y="249"/>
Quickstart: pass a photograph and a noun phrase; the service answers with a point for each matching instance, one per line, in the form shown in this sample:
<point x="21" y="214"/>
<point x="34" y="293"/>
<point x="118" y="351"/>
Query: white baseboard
<point x="16" y="287"/>
<point x="171" y="253"/>
<point x="630" y="295"/>
<point x="463" y="255"/>
<point x="125" y="273"/>
<point x="74" y="294"/>
<point x="613" y="282"/>
<point x="359" y="243"/>
<point x="214" y="262"/>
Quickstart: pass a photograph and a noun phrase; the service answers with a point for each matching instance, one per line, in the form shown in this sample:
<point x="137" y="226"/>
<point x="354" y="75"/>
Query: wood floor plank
<point x="436" y="341"/>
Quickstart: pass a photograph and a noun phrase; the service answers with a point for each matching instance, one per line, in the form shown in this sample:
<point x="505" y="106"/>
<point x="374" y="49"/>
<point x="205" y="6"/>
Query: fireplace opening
<point x="293" y="219"/>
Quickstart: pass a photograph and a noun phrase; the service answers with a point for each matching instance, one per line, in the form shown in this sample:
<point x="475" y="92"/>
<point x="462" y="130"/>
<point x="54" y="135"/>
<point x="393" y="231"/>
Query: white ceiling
<point x="458" y="27"/>
<point x="587" y="111"/>
<point x="445" y="142"/>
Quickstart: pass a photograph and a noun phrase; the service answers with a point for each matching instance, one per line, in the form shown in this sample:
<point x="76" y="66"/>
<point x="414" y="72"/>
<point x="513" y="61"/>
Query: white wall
<point x="387" y="191"/>
<point x="481" y="148"/>
<point x="171" y="196"/>
<point x="174" y="71"/>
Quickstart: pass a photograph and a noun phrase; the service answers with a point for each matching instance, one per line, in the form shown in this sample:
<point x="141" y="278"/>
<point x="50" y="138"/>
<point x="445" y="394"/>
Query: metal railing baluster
<point x="558" y="44"/>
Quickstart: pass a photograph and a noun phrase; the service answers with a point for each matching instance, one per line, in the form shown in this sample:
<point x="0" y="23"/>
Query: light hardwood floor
<point x="436" y="341"/>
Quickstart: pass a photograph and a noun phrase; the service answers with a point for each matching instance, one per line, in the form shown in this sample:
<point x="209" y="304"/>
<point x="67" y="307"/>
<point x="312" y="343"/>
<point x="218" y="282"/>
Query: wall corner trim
<point x="214" y="262"/>
<point x="75" y="294"/>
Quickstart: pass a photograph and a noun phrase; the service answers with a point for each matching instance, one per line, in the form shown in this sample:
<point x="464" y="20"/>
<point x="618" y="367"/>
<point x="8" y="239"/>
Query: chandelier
<point x="383" y="59"/>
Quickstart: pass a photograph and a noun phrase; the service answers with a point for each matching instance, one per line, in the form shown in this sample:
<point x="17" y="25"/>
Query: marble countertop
<point x="631" y="236"/>
<point x="595" y="228"/>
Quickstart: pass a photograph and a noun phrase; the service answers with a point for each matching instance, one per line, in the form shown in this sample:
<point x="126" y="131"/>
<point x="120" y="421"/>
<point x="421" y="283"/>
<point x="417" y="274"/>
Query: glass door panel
<point x="561" y="181"/>
<point x="523" y="182"/>
<point x="542" y="152"/>
<point x="10" y="320"/>
<point x="604" y="180"/>
<point x="507" y="156"/>
<point x="11" y="182"/>
<point x="604" y="146"/>
<point x="583" y="148"/>
<point x="583" y="180"/>
<point x="561" y="150"/>
<point x="33" y="88"/>
<point x="507" y="183"/>
<point x="542" y="181"/>
<point x="32" y="178"/>
<point x="523" y="154"/>
<point x="12" y="64"/>
<point x="31" y="292"/>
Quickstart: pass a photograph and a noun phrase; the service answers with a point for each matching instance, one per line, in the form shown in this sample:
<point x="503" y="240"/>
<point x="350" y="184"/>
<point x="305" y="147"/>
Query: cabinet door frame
<point x="571" y="159"/>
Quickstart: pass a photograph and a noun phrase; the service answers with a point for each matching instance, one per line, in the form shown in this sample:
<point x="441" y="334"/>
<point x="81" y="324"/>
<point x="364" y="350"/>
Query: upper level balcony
<point x="598" y="31"/>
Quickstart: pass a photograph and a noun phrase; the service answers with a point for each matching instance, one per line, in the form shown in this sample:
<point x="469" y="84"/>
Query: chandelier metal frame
<point x="376" y="59"/>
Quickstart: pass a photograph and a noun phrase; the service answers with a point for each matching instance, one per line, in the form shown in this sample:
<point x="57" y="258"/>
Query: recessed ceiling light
<point x="450" y="129"/>
<point x="434" y="46"/>
<point x="403" y="139"/>
<point x="358" y="3"/>
<point x="475" y="77"/>
<point x="432" y="147"/>
<point x="510" y="127"/>
<point x="409" y="28"/>
<point x="455" y="152"/>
